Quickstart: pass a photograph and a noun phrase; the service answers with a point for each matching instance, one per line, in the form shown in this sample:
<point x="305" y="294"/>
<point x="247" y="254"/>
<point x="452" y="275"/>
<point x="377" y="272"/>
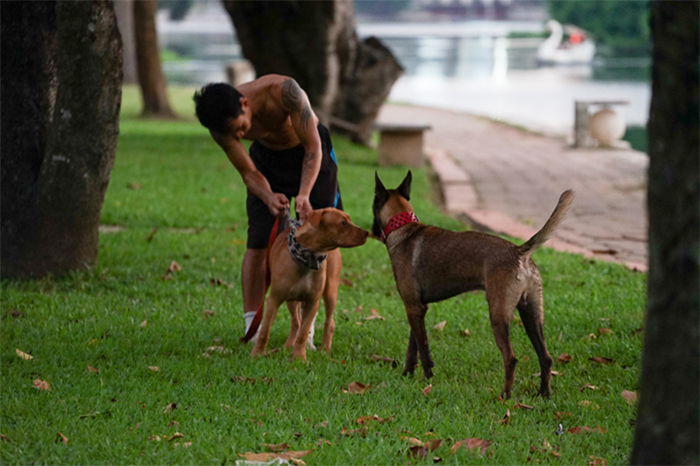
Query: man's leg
<point x="253" y="281"/>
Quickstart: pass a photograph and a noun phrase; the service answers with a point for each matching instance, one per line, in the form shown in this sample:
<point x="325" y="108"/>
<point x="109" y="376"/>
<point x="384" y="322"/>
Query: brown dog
<point x="303" y="267"/>
<point x="431" y="264"/>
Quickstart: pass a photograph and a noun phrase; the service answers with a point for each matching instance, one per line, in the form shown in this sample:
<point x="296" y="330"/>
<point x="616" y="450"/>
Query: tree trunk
<point x="61" y="92"/>
<point x="668" y="417"/>
<point x="316" y="43"/>
<point x="124" y="10"/>
<point x="150" y="71"/>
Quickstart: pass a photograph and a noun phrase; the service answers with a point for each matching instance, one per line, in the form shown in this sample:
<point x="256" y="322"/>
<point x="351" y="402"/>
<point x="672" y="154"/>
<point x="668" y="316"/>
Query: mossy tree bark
<point x="61" y="93"/>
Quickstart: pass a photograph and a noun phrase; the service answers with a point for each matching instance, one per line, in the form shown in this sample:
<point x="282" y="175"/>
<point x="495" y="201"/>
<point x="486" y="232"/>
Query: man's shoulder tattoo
<point x="294" y="101"/>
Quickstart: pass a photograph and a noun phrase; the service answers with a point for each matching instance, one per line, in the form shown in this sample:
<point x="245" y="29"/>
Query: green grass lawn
<point x="97" y="338"/>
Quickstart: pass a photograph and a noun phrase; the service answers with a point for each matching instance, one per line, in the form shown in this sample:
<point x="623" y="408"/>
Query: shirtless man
<point x="291" y="156"/>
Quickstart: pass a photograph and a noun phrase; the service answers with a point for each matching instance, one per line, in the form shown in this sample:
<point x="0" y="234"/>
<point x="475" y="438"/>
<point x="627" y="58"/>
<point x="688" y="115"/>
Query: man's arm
<point x="305" y="124"/>
<point x="253" y="179"/>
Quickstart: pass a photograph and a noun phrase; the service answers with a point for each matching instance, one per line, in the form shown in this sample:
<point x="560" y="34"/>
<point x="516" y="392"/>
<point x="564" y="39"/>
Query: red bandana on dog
<point x="398" y="221"/>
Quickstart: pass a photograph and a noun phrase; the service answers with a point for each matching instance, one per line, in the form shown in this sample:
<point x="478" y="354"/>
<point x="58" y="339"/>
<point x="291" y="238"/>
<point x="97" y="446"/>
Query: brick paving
<point x="503" y="179"/>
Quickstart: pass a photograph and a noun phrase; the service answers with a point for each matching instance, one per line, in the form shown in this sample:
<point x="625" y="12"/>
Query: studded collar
<point x="397" y="221"/>
<point x="304" y="255"/>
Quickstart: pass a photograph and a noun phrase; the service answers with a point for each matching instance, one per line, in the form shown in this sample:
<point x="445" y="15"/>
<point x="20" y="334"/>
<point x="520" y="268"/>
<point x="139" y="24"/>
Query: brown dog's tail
<point x="551" y="226"/>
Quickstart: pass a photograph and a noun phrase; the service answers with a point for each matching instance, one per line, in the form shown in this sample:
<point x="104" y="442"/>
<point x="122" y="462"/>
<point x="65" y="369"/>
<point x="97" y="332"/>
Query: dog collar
<point x="304" y="255"/>
<point x="397" y="221"/>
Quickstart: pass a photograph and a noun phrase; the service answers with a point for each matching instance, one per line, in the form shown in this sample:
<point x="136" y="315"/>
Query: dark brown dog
<point x="314" y="270"/>
<point x="431" y="264"/>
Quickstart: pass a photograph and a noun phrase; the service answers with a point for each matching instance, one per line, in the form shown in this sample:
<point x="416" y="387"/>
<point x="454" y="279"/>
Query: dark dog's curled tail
<point x="551" y="226"/>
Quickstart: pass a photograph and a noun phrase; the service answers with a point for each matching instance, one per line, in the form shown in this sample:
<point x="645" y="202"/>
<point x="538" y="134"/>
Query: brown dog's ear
<point x="314" y="218"/>
<point x="405" y="188"/>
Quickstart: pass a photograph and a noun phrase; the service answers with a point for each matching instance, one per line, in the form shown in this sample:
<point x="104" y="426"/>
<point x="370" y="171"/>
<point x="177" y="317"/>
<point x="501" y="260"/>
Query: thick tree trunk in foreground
<point x="150" y="70"/>
<point x="316" y="44"/>
<point x="667" y="423"/>
<point x="61" y="93"/>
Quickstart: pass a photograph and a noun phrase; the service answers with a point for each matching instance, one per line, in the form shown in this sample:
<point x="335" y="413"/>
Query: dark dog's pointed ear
<point x="379" y="189"/>
<point x="405" y="188"/>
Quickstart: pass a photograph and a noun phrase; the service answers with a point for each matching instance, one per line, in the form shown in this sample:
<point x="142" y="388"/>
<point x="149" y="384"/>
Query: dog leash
<point x="255" y="324"/>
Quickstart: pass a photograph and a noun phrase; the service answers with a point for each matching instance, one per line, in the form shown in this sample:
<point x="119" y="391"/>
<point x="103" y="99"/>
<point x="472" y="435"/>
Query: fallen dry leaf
<point x="375" y="418"/>
<point x="23" y="355"/>
<point x="133" y="186"/>
<point x="466" y="332"/>
<point x="361" y="432"/>
<point x="597" y="461"/>
<point x="4" y="437"/>
<point x="506" y="418"/>
<point x="322" y="424"/>
<point x="154" y="438"/>
<point x="427" y="389"/>
<point x="357" y="388"/>
<point x="42" y="385"/>
<point x="153" y="233"/>
<point x="219" y="282"/>
<point x="264" y="457"/>
<point x="587" y="386"/>
<point x="144" y="324"/>
<point x="581" y="429"/>
<point x="413" y="441"/>
<point x="421" y="451"/>
<point x="345" y="282"/>
<point x="61" y="438"/>
<point x="563" y="358"/>
<point x="522" y="406"/>
<point x="374" y="314"/>
<point x="561" y="415"/>
<point x="169" y="408"/>
<point x="92" y="369"/>
<point x="631" y="397"/>
<point x="441" y="326"/>
<point x="153" y="368"/>
<point x="207" y="313"/>
<point x="601" y="360"/>
<point x="173" y="437"/>
<point x="605" y="331"/>
<point x="394" y="363"/>
<point x="472" y="444"/>
<point x="590" y="336"/>
<point x="276" y="447"/>
<point x="174" y="267"/>
<point x="322" y="442"/>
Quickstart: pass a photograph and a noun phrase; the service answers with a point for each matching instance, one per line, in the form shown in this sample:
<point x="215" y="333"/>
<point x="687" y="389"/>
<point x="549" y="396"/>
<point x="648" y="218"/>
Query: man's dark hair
<point x="215" y="103"/>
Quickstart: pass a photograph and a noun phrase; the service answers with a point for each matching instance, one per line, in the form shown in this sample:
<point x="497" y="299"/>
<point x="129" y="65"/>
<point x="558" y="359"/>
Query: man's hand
<point x="303" y="207"/>
<point x="278" y="204"/>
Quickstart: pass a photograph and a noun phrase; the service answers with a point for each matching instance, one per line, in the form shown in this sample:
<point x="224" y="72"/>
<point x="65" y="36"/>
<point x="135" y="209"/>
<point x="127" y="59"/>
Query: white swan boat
<point x="578" y="49"/>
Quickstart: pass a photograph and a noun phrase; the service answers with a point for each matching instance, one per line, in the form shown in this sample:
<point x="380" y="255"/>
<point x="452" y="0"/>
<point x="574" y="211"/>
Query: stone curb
<point x="462" y="199"/>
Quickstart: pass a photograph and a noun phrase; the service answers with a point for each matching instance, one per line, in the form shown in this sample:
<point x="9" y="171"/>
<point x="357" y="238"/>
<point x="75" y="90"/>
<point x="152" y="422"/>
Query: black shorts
<point x="282" y="169"/>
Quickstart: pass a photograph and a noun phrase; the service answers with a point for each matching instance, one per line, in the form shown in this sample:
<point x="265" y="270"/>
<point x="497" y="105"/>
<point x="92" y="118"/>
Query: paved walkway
<point x="506" y="180"/>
